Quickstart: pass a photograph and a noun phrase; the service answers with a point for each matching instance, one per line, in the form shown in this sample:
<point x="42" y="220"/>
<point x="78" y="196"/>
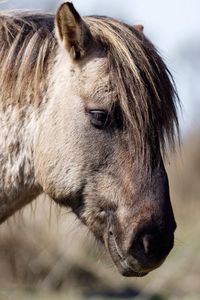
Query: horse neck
<point x="18" y="185"/>
<point x="20" y="122"/>
<point x="23" y="99"/>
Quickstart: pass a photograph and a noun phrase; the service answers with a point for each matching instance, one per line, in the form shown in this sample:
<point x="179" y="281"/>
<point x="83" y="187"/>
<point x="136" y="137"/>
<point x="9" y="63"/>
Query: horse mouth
<point x="126" y="266"/>
<point x="126" y="270"/>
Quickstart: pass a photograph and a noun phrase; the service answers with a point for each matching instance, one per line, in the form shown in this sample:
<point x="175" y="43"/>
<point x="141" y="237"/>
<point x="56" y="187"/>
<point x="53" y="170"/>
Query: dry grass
<point x="46" y="254"/>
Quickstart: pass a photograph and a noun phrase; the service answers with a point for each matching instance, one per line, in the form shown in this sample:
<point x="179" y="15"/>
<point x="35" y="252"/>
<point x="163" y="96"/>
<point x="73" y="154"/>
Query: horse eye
<point x="99" y="118"/>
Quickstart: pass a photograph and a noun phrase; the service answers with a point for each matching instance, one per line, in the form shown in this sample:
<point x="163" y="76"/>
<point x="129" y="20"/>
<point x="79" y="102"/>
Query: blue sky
<point x="171" y="25"/>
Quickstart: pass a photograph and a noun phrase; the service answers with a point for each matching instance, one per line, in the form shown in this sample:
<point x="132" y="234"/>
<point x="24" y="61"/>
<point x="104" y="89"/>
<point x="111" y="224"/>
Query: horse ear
<point x="72" y="31"/>
<point x="139" y="28"/>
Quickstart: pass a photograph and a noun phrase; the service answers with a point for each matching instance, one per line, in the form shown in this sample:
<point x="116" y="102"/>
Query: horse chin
<point x="129" y="272"/>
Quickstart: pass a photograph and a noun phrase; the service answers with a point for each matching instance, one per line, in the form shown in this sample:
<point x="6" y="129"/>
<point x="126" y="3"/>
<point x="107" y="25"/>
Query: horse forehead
<point x="94" y="77"/>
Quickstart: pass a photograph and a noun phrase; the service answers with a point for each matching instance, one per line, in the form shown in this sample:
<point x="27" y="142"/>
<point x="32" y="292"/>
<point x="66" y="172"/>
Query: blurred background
<point x="46" y="254"/>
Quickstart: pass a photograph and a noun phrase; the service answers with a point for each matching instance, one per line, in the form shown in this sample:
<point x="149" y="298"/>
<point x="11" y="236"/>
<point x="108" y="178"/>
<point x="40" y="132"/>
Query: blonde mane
<point x="26" y="49"/>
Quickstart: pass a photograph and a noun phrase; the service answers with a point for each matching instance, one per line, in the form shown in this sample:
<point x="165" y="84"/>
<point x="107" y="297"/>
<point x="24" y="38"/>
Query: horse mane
<point x="26" y="48"/>
<point x="145" y="88"/>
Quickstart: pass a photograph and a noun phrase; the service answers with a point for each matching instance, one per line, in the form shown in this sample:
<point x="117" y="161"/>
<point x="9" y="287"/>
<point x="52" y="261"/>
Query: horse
<point x="87" y="110"/>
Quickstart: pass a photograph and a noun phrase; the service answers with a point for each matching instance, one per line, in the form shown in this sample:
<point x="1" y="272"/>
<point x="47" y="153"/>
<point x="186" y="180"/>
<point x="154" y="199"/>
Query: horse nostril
<point x="151" y="247"/>
<point x="145" y="242"/>
<point x="150" y="244"/>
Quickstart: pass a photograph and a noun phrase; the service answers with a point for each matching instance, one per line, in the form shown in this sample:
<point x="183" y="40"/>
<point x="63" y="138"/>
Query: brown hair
<point x="26" y="45"/>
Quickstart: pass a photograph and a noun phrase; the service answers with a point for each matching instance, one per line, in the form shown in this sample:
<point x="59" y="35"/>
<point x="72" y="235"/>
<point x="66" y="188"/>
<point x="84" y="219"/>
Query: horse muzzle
<point x="148" y="249"/>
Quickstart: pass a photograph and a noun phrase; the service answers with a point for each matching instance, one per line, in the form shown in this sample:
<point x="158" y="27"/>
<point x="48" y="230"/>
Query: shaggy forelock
<point x="145" y="88"/>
